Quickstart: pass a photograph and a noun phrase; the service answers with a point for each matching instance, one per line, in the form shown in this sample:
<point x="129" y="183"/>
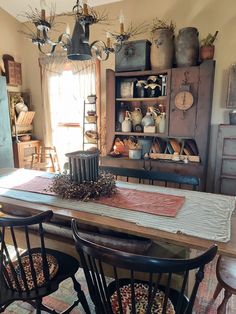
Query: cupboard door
<point x="225" y="172"/>
<point x="183" y="123"/>
<point x="6" y="154"/>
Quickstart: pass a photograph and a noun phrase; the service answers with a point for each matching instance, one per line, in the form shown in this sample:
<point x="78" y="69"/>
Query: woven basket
<point x="91" y="136"/>
<point x="91" y="119"/>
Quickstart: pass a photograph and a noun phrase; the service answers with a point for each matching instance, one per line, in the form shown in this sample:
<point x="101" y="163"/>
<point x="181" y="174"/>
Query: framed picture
<point x="231" y="95"/>
<point x="14" y="99"/>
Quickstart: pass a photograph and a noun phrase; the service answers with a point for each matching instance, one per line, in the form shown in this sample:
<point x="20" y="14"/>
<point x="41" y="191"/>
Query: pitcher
<point x="148" y="120"/>
<point x="157" y="117"/>
<point x="136" y="117"/>
<point x="126" y="125"/>
<point x="162" y="123"/>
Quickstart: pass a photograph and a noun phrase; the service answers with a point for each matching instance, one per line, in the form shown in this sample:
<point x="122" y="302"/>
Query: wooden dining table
<point x="21" y="207"/>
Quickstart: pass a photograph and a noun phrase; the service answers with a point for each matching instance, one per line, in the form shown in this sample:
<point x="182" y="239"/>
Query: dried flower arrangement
<point x="133" y="143"/>
<point x="162" y="24"/>
<point x="209" y="40"/>
<point x="63" y="186"/>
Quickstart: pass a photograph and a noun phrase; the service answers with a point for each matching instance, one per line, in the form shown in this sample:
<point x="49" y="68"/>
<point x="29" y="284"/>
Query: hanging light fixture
<point x="77" y="45"/>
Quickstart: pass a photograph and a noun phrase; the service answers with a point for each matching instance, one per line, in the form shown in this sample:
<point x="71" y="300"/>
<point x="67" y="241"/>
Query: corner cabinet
<point x="6" y="154"/>
<point x="182" y="125"/>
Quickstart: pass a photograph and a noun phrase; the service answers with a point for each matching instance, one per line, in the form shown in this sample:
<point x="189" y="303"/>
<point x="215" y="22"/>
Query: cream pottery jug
<point x="136" y="117"/>
<point x="148" y="119"/>
<point x="157" y="117"/>
<point x="162" y="123"/>
<point x="126" y="125"/>
<point x="162" y="50"/>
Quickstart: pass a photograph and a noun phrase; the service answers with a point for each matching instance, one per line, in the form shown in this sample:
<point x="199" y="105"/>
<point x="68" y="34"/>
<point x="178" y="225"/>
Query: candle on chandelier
<point x="108" y="40"/>
<point x="67" y="29"/>
<point x="122" y="21"/>
<point x="85" y="7"/>
<point x="43" y="9"/>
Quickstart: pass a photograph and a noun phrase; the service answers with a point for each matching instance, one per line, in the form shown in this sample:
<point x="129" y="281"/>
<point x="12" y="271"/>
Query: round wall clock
<point x="183" y="100"/>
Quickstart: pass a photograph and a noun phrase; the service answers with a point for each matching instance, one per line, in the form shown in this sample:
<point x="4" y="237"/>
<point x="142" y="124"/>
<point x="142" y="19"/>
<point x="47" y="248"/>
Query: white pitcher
<point x="162" y="123"/>
<point x="126" y="125"/>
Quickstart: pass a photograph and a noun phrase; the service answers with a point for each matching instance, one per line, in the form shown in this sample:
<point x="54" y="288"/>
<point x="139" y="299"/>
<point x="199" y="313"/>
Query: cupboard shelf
<point x="140" y="134"/>
<point x="160" y="98"/>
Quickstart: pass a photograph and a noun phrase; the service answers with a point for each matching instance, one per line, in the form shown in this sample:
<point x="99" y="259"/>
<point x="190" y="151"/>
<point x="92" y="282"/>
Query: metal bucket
<point x="187" y="47"/>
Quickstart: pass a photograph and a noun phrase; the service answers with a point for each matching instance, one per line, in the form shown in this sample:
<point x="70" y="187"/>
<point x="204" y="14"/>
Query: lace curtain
<point x="52" y="67"/>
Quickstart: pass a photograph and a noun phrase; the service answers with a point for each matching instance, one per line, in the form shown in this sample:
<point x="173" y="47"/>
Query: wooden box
<point x="13" y="73"/>
<point x="133" y="56"/>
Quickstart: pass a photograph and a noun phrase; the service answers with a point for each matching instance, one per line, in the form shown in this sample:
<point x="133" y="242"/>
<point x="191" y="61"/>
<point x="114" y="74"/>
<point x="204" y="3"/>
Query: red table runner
<point x="147" y="202"/>
<point x="136" y="200"/>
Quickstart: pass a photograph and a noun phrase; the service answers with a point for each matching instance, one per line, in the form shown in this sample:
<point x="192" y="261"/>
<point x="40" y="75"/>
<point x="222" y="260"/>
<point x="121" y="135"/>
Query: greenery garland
<point x="63" y="186"/>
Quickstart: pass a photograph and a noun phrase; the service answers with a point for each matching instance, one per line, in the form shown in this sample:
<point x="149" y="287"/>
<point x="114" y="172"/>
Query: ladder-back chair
<point x="132" y="292"/>
<point x="46" y="160"/>
<point x="34" y="271"/>
<point x="153" y="177"/>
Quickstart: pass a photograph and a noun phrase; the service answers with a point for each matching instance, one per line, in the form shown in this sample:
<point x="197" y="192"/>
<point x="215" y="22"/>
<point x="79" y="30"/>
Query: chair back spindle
<point x="13" y="261"/>
<point x="121" y="282"/>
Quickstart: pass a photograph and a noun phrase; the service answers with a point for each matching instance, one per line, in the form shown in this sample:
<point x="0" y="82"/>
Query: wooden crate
<point x="25" y="118"/>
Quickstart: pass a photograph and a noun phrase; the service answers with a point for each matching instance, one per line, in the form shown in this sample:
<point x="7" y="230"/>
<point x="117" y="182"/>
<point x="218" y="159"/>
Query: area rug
<point x="65" y="295"/>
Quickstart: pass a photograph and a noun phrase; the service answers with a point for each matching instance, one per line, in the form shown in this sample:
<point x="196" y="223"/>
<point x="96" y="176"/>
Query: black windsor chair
<point x="131" y="293"/>
<point x="33" y="272"/>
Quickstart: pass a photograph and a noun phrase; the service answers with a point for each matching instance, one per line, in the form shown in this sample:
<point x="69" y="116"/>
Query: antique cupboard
<point x="182" y="125"/>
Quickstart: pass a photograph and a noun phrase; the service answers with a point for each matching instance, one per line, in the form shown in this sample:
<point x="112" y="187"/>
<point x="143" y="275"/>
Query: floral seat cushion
<point x="37" y="261"/>
<point x="141" y="297"/>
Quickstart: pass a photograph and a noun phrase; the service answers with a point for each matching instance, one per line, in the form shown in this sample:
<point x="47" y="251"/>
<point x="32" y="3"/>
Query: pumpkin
<point x="120" y="147"/>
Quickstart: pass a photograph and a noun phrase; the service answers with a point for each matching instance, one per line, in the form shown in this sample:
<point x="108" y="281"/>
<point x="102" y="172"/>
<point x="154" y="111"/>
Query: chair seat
<point x="37" y="261"/>
<point x="226" y="273"/>
<point x="67" y="267"/>
<point x="141" y="296"/>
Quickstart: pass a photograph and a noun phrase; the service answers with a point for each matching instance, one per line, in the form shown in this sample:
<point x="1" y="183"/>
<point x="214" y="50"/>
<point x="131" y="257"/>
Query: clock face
<point x="184" y="100"/>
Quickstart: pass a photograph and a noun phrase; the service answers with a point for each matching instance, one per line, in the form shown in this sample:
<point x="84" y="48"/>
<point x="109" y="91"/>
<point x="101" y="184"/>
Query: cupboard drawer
<point x="23" y="153"/>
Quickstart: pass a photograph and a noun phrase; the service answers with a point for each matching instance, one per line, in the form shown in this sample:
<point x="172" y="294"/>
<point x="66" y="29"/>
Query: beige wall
<point x="206" y="15"/>
<point x="10" y="39"/>
<point x="13" y="43"/>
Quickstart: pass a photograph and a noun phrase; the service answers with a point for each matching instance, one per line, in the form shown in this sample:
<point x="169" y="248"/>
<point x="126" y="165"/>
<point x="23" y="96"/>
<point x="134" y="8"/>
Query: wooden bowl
<point x="24" y="138"/>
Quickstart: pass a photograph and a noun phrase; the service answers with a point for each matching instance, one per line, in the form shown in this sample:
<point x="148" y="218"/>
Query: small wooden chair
<point x="136" y="283"/>
<point x="152" y="177"/>
<point x="36" y="271"/>
<point x="226" y="276"/>
<point x="46" y="160"/>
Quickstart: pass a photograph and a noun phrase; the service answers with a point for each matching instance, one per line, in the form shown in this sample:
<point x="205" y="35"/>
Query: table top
<point x="22" y="207"/>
